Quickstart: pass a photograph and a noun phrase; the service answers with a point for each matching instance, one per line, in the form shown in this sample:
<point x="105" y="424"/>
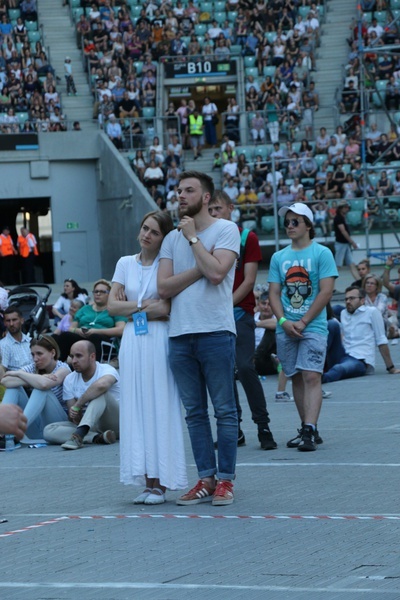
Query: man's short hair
<point x="13" y="309"/>
<point x="206" y="181"/>
<point x="220" y="196"/>
<point x="264" y="296"/>
<point x="361" y="292"/>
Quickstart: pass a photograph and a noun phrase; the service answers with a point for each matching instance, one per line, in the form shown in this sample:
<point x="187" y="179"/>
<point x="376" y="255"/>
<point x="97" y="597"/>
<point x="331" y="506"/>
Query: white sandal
<point x="157" y="498"/>
<point x="142" y="497"/>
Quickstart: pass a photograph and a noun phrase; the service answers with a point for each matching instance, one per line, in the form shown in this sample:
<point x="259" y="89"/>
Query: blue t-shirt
<point x="299" y="273"/>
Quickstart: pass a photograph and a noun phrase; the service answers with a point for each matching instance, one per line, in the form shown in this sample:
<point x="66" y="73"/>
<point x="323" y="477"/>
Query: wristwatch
<point x="193" y="240"/>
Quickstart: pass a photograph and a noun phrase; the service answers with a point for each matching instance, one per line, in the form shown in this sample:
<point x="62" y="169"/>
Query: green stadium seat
<point x="200" y="29"/>
<point x="220" y="17"/>
<point x="14" y="13"/>
<point x="22" y="117"/>
<point x="236" y="50"/>
<point x="31" y="25"/>
<point x="34" y="36"/>
<point x="269" y="71"/>
<point x="354" y="218"/>
<point x="148" y="113"/>
<point x="249" y="61"/>
<point x="232" y="16"/>
<point x="75" y="3"/>
<point x="268" y="224"/>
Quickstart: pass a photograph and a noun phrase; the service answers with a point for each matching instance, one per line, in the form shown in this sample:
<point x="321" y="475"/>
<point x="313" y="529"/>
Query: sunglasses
<point x="292" y="222"/>
<point x="100" y="292"/>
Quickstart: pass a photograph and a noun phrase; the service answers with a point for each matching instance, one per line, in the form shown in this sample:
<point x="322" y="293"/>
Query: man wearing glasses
<point x="301" y="279"/>
<point x="362" y="329"/>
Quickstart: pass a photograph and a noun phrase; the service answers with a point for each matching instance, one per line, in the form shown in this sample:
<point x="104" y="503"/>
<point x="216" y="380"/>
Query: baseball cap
<point x="299" y="209"/>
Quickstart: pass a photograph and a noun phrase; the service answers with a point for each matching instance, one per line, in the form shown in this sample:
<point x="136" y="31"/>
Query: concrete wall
<point x="122" y="202"/>
<point x="96" y="200"/>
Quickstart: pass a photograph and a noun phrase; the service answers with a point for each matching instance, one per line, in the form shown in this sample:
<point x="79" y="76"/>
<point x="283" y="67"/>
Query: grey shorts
<point x="301" y="354"/>
<point x="196" y="140"/>
<point x="343" y="255"/>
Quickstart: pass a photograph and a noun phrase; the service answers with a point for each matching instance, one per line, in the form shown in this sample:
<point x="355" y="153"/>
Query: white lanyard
<point x="143" y="290"/>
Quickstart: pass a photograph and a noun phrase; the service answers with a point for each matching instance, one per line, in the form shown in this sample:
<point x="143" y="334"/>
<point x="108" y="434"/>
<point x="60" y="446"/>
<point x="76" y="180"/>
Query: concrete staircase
<point x="59" y="36"/>
<point x="204" y="164"/>
<point x="332" y="55"/>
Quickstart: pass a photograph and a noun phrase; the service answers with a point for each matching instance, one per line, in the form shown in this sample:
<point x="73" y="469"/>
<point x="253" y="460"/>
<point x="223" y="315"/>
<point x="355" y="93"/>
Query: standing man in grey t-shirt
<point x="197" y="265"/>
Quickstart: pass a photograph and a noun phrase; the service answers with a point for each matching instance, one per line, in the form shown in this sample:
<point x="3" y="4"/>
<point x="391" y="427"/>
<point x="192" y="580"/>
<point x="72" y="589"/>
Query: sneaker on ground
<point x="201" y="492"/>
<point x="241" y="438"/>
<point x="283" y="397"/>
<point x="326" y="394"/>
<point x="223" y="493"/>
<point x="294" y="442"/>
<point x="108" y="437"/>
<point x="307" y="442"/>
<point x="266" y="439"/>
<point x="75" y="443"/>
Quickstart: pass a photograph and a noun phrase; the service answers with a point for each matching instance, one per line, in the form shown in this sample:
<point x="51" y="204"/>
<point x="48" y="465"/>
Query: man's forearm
<point x="175" y="284"/>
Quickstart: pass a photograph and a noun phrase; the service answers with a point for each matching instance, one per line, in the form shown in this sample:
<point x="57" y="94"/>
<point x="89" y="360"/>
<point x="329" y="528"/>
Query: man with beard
<point x="301" y="279"/>
<point x="197" y="267"/>
<point x="15" y="350"/>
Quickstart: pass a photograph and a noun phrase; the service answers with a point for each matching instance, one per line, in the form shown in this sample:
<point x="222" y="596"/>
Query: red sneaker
<point x="223" y="493"/>
<point x="201" y="492"/>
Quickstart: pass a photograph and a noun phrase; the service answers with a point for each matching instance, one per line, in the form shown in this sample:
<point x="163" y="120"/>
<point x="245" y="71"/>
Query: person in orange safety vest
<point x="27" y="247"/>
<point x="7" y="252"/>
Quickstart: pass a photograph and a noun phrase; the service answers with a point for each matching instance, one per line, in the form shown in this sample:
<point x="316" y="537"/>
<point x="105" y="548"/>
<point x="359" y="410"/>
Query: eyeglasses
<point x="351" y="298"/>
<point x="292" y="222"/>
<point x="100" y="292"/>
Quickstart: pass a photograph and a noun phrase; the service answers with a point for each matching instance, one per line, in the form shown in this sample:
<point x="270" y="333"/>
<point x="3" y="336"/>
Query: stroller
<point x="32" y="304"/>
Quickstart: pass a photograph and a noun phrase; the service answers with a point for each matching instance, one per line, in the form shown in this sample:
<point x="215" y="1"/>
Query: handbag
<point x="215" y="119"/>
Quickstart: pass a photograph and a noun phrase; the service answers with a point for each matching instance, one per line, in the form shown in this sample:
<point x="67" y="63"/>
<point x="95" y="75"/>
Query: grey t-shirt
<point x="202" y="307"/>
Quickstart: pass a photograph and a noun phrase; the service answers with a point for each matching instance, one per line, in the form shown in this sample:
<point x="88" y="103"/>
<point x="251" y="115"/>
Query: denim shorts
<point x="301" y="354"/>
<point x="343" y="255"/>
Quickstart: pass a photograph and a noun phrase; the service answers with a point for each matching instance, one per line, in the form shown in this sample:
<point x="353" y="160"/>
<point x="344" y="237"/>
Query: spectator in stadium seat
<point x="114" y="132"/>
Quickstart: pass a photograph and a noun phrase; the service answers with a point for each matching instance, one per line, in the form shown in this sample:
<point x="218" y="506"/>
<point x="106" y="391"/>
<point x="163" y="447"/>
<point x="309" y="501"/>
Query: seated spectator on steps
<point x="91" y="394"/>
<point x="15" y="351"/>
<point x="362" y="329"/>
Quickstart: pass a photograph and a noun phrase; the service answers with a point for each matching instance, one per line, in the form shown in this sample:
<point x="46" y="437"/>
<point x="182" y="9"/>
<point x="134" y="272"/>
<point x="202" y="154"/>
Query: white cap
<point x="298" y="208"/>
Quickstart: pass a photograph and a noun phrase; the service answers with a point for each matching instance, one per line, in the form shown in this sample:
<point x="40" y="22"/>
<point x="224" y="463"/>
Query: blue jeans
<point x="340" y="365"/>
<point x="40" y="408"/>
<point x="204" y="362"/>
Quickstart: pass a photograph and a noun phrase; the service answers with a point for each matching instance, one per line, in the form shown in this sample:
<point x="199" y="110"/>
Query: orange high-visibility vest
<point x="7" y="245"/>
<point x="23" y="245"/>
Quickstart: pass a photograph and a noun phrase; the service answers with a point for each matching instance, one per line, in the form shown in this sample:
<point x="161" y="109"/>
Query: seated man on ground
<point x="15" y="351"/>
<point x="91" y="393"/>
<point x="362" y="329"/>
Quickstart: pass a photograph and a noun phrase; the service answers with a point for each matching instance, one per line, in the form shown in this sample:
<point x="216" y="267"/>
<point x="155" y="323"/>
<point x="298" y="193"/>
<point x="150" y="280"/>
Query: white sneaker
<point x="283" y="397"/>
<point x="326" y="394"/>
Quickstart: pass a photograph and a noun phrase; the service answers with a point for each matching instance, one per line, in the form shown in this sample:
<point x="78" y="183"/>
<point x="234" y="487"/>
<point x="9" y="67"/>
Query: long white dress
<point x="151" y="438"/>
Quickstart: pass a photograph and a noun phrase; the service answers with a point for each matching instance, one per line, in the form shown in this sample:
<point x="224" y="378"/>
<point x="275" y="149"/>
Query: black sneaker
<point x="266" y="439"/>
<point x="241" y="440"/>
<point x="294" y="443"/>
<point x="307" y="442"/>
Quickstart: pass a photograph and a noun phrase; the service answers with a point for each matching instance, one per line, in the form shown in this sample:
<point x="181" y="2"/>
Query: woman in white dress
<point x="151" y="439"/>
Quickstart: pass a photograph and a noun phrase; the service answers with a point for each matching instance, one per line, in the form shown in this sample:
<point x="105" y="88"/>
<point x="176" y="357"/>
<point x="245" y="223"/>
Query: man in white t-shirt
<point x="96" y="387"/>
<point x="197" y="266"/>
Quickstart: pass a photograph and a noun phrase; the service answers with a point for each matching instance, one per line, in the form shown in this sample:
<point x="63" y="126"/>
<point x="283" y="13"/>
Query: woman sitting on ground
<point x="44" y="376"/>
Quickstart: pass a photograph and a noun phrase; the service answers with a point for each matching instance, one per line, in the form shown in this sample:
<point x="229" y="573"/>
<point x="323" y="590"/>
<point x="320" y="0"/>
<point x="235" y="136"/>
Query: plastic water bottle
<point x="10" y="444"/>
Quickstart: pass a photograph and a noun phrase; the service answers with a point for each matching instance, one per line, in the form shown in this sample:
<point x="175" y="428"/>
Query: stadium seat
<point x="354" y="218"/>
<point x="219" y="6"/>
<point x="269" y="71"/>
<point x="200" y="29"/>
<point x="75" y="3"/>
<point x="220" y="17"/>
<point x="31" y="25"/>
<point x="206" y="7"/>
<point x="148" y="113"/>
<point x="251" y="71"/>
<point x="267" y="224"/>
<point x="236" y="50"/>
<point x="248" y="151"/>
<point x="14" y="13"/>
<point x="34" y="36"/>
<point x="138" y="66"/>
<point x="77" y="12"/>
<point x="249" y="61"/>
<point x="22" y="117"/>
<point x="232" y="14"/>
<point x="357" y="204"/>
